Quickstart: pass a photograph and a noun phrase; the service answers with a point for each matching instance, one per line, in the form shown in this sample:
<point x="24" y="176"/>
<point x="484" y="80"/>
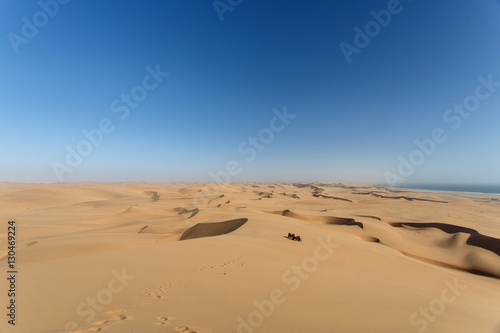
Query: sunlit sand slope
<point x="153" y="257"/>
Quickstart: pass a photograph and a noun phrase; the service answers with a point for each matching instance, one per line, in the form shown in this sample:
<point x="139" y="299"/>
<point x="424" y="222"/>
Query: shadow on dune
<point x="318" y="195"/>
<point x="371" y="217"/>
<point x="154" y="196"/>
<point x="475" y="239"/>
<point x="373" y="193"/>
<point x="201" y="230"/>
<point x="290" y="195"/>
<point x="321" y="219"/>
<point x="181" y="210"/>
<point x="369" y="239"/>
<point x="264" y="195"/>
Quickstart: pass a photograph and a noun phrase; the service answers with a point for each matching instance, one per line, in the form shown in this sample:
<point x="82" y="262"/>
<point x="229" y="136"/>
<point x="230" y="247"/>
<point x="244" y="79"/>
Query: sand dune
<point x="375" y="194"/>
<point x="476" y="239"/>
<point x="320" y="218"/>
<point x="214" y="258"/>
<point x="212" y="229"/>
<point x="193" y="211"/>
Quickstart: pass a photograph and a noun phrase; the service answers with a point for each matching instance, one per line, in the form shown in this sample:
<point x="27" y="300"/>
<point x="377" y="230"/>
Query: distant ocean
<point x="486" y="189"/>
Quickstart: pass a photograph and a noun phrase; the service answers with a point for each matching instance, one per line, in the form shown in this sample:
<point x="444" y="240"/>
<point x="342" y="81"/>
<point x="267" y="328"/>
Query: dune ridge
<point x="202" y="255"/>
<point x="374" y="193"/>
<point x="475" y="239"/>
<point x="201" y="230"/>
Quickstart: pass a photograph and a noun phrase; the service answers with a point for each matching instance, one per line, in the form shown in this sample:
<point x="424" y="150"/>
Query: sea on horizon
<point x="465" y="188"/>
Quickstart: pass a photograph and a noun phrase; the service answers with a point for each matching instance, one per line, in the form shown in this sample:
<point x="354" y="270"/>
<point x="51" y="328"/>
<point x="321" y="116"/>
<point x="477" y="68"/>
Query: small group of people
<point x="293" y="237"/>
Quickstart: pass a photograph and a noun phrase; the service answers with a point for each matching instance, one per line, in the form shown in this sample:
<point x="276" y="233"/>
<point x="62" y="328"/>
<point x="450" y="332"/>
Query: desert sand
<point x="153" y="257"/>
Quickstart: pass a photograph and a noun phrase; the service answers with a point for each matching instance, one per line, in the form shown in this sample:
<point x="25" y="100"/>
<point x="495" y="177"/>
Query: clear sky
<point x="352" y="84"/>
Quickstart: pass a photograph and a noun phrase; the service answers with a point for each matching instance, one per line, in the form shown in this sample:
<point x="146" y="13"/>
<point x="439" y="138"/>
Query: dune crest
<point x="367" y="252"/>
<point x="475" y="239"/>
<point x="213" y="229"/>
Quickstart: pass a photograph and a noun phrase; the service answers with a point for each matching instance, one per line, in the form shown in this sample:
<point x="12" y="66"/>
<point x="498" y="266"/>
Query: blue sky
<point x="354" y="121"/>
